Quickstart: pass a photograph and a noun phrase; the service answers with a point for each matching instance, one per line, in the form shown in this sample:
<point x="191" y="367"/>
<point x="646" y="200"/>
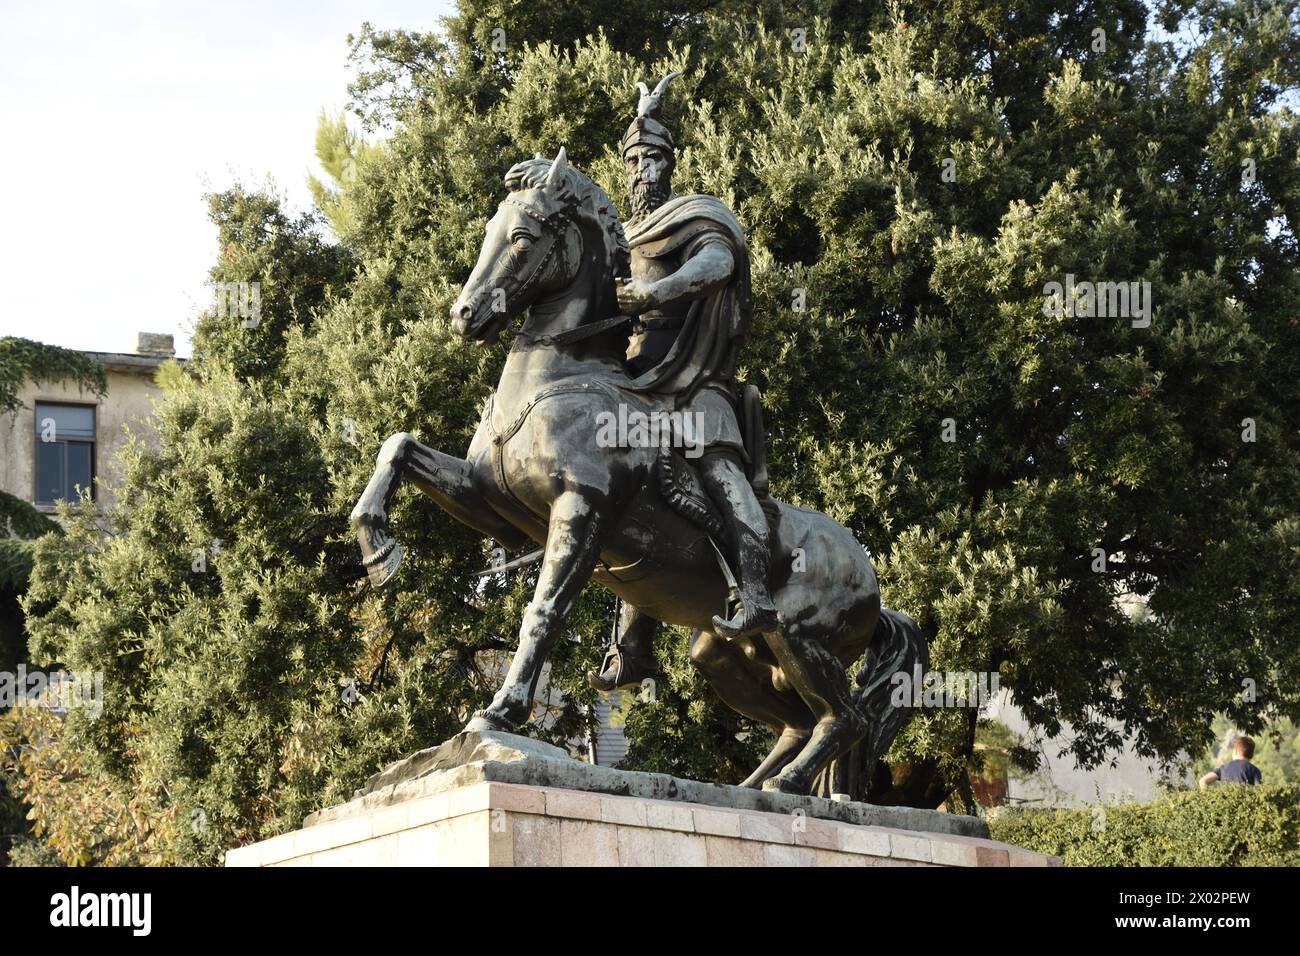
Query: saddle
<point x="679" y="485"/>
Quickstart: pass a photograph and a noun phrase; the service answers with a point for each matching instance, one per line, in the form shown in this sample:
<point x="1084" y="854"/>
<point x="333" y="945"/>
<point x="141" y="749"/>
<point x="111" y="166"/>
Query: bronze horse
<point x="535" y="470"/>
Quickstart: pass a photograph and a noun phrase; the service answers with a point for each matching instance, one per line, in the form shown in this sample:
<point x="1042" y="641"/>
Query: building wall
<point x="1059" y="783"/>
<point x="129" y="399"/>
<point x="610" y="743"/>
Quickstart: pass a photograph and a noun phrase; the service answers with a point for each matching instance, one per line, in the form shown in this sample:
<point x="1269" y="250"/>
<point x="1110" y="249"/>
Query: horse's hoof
<point x="484" y="721"/>
<point x="783" y="784"/>
<point x="383" y="564"/>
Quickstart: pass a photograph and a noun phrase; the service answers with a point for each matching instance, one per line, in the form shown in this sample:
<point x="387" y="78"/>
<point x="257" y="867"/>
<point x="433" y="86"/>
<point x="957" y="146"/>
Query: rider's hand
<point x="636" y="296"/>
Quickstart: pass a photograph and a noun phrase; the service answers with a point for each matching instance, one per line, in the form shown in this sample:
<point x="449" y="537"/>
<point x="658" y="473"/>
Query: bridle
<point x="557" y="223"/>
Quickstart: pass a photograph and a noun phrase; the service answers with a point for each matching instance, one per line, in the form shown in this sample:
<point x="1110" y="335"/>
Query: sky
<point x="118" y="116"/>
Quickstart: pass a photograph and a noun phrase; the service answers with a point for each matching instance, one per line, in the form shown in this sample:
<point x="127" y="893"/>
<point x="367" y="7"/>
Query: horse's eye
<point x="522" y="241"/>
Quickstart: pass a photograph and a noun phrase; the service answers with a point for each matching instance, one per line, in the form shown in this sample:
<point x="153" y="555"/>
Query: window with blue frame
<point x="65" y="451"/>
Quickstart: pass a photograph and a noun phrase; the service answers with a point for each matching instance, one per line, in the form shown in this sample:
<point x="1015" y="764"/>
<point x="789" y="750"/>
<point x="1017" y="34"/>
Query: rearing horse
<point x="535" y="469"/>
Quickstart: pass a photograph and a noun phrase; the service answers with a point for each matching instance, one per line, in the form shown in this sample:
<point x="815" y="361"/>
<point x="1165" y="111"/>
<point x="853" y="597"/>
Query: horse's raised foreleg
<point x="572" y="549"/>
<point x="445" y="479"/>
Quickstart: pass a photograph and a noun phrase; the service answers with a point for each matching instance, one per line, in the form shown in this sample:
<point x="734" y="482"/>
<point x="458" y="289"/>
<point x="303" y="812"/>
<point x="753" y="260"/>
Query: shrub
<point x="1225" y="826"/>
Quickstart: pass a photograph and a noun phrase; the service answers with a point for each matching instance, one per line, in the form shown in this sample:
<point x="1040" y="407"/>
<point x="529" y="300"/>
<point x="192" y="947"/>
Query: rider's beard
<point x="647" y="196"/>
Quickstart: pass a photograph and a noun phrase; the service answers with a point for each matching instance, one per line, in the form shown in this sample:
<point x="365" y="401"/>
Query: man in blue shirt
<point x="1240" y="770"/>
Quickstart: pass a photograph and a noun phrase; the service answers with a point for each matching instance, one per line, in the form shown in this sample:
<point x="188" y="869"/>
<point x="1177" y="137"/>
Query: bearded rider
<point x="690" y="297"/>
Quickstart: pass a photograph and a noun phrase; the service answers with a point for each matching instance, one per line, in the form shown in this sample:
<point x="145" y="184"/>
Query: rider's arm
<point x="704" y="273"/>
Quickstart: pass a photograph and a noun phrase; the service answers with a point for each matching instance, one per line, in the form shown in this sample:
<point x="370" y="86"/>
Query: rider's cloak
<point x="706" y="346"/>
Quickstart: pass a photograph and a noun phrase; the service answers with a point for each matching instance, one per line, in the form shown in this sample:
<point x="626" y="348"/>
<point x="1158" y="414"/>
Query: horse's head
<point x="532" y="246"/>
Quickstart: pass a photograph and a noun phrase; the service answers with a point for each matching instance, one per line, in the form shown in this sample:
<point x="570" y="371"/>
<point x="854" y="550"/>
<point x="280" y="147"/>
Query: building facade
<point x="64" y="439"/>
<point x="1125" y="778"/>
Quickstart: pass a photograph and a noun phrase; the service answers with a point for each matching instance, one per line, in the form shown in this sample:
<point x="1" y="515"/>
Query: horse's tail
<point x="897" y="646"/>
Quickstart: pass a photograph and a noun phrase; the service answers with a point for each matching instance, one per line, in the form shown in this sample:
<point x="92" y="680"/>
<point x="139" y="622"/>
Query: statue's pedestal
<point x="501" y="800"/>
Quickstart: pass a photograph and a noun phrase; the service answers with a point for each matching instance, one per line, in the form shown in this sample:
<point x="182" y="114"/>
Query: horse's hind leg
<point x="818" y="676"/>
<point x="445" y="479"/>
<point x="746" y="687"/>
<point x="572" y="549"/>
<point x="788" y="746"/>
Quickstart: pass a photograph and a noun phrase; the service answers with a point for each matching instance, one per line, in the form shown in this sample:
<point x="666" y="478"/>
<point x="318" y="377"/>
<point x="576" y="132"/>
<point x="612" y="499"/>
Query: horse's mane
<point x="532" y="173"/>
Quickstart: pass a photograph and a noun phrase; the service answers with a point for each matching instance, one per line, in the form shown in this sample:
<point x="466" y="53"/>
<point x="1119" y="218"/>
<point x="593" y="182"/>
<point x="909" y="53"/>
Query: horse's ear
<point x="558" y="168"/>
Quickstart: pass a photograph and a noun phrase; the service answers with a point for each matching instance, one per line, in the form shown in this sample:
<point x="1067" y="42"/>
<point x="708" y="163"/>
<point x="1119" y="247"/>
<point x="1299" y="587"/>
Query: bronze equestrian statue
<point x="639" y="324"/>
<point x="690" y="293"/>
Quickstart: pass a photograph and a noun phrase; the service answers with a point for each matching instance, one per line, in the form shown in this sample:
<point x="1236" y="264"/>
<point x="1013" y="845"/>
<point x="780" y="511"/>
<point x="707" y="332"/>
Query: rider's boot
<point x="757" y="612"/>
<point x="629" y="659"/>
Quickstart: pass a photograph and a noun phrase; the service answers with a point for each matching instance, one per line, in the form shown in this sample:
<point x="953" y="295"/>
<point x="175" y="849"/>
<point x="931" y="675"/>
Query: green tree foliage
<point x="890" y="298"/>
<point x="340" y="151"/>
<point x="76" y="814"/>
<point x="23" y="361"/>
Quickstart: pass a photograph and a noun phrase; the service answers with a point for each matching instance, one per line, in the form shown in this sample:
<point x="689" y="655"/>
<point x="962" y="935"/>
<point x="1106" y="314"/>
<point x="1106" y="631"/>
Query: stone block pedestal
<point x="501" y="824"/>
<point x="500" y="800"/>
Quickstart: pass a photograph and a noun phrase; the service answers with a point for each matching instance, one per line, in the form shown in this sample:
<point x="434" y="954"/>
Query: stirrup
<point x="747" y="623"/>
<point x="624" y="676"/>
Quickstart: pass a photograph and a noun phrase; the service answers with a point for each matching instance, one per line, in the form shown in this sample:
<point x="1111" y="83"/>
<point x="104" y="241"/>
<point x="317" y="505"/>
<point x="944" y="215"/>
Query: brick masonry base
<point x="502" y="824"/>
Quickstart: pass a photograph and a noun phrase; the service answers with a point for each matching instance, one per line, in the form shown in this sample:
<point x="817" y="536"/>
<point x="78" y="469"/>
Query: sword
<point x="511" y="565"/>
